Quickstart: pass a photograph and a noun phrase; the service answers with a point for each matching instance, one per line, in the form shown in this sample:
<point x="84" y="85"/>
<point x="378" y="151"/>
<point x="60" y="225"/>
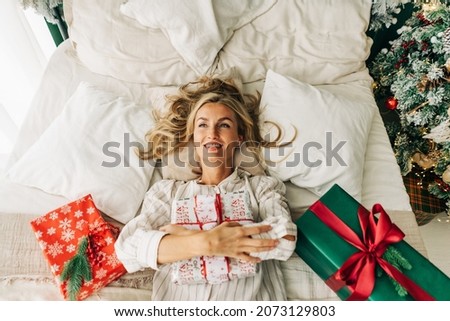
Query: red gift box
<point x="79" y="247"/>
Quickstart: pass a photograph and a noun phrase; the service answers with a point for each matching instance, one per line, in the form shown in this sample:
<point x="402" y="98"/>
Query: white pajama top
<point x="137" y="244"/>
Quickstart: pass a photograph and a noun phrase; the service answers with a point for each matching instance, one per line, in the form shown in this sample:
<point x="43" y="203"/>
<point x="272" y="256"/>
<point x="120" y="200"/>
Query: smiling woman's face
<point x="216" y="134"/>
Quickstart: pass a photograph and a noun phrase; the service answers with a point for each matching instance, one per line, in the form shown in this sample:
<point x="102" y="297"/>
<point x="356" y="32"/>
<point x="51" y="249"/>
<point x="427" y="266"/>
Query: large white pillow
<point x="197" y="29"/>
<point x="319" y="42"/>
<point x="111" y="44"/>
<point x="88" y="149"/>
<point x="332" y="127"/>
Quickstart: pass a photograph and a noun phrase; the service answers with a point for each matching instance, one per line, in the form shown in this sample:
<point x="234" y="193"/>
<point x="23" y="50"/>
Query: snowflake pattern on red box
<point x="59" y="233"/>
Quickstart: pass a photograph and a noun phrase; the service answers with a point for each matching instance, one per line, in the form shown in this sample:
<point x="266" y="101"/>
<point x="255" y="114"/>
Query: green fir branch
<point x="77" y="270"/>
<point x="397" y="260"/>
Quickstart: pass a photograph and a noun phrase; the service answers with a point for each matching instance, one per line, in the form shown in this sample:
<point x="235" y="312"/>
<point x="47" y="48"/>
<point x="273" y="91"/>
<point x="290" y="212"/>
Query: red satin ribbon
<point x="358" y="271"/>
<point x="218" y="207"/>
<point x="200" y="225"/>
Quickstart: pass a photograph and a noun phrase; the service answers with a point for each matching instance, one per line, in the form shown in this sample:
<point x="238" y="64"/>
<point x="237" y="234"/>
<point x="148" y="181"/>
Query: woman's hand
<point x="227" y="239"/>
<point x="289" y="237"/>
<point x="175" y="229"/>
<point x="234" y="240"/>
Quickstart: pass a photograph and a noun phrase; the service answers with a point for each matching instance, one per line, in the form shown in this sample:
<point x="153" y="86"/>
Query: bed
<point x="122" y="57"/>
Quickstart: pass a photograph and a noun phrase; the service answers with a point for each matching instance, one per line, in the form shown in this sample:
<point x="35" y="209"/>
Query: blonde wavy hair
<point x="174" y="129"/>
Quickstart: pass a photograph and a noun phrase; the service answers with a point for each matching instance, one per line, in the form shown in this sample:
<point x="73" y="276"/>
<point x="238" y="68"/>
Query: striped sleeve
<point x="274" y="211"/>
<point x="138" y="242"/>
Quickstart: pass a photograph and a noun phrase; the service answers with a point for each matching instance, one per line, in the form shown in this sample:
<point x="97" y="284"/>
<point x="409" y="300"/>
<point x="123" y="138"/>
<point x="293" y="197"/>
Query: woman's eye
<point x="202" y="125"/>
<point x="224" y="125"/>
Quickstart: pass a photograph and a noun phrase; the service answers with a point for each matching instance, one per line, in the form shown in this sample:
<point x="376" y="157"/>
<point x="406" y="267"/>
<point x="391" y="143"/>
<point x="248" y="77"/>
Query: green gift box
<point x="326" y="242"/>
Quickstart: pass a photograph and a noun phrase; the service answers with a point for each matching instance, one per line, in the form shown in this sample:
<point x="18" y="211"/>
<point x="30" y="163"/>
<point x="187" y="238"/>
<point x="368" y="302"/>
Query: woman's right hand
<point x="234" y="240"/>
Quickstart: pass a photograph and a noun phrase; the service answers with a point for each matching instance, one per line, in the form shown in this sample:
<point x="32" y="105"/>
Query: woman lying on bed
<point x="176" y="233"/>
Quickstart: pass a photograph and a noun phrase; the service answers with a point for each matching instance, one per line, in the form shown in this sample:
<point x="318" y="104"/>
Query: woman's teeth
<point x="213" y="145"/>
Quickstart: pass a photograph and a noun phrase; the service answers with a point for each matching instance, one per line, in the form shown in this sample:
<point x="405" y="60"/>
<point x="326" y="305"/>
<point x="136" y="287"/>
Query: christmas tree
<point x="413" y="76"/>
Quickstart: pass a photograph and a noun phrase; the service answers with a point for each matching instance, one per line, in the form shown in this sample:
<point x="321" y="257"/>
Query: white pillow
<point x="197" y="29"/>
<point x="319" y="42"/>
<point x="87" y="150"/>
<point x="109" y="43"/>
<point x="332" y="131"/>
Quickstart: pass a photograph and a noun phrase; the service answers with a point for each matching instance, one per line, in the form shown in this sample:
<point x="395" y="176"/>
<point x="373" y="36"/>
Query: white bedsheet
<point x="18" y="198"/>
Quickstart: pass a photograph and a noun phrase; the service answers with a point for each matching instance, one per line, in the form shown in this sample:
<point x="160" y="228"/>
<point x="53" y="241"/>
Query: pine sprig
<point x="77" y="270"/>
<point x="393" y="256"/>
<point x="383" y="13"/>
<point x="397" y="260"/>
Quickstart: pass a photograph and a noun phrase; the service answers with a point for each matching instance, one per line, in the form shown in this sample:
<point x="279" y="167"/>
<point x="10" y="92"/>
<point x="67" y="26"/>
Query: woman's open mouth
<point x="213" y="147"/>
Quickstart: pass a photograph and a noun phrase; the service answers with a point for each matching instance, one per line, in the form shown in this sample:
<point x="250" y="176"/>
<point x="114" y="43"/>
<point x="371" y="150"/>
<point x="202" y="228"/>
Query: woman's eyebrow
<point x="220" y="119"/>
<point x="225" y="118"/>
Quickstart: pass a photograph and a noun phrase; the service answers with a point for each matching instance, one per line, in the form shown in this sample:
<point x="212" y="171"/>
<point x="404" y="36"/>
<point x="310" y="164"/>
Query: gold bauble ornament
<point x="422" y="85"/>
<point x="423" y="160"/>
<point x="375" y="85"/>
<point x="446" y="175"/>
<point x="447" y="65"/>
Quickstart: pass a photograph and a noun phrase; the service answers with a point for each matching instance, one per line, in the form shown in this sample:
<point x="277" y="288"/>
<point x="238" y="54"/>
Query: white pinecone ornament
<point x="446" y="41"/>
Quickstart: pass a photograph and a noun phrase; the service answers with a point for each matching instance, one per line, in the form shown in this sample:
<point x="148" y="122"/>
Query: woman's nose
<point x="212" y="132"/>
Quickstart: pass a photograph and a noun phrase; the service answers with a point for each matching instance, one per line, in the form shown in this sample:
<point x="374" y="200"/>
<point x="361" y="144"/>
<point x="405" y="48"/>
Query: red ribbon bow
<point x="97" y="242"/>
<point x="358" y="271"/>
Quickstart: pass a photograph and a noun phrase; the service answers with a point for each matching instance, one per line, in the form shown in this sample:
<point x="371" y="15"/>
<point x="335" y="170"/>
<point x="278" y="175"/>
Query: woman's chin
<point x="213" y="161"/>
